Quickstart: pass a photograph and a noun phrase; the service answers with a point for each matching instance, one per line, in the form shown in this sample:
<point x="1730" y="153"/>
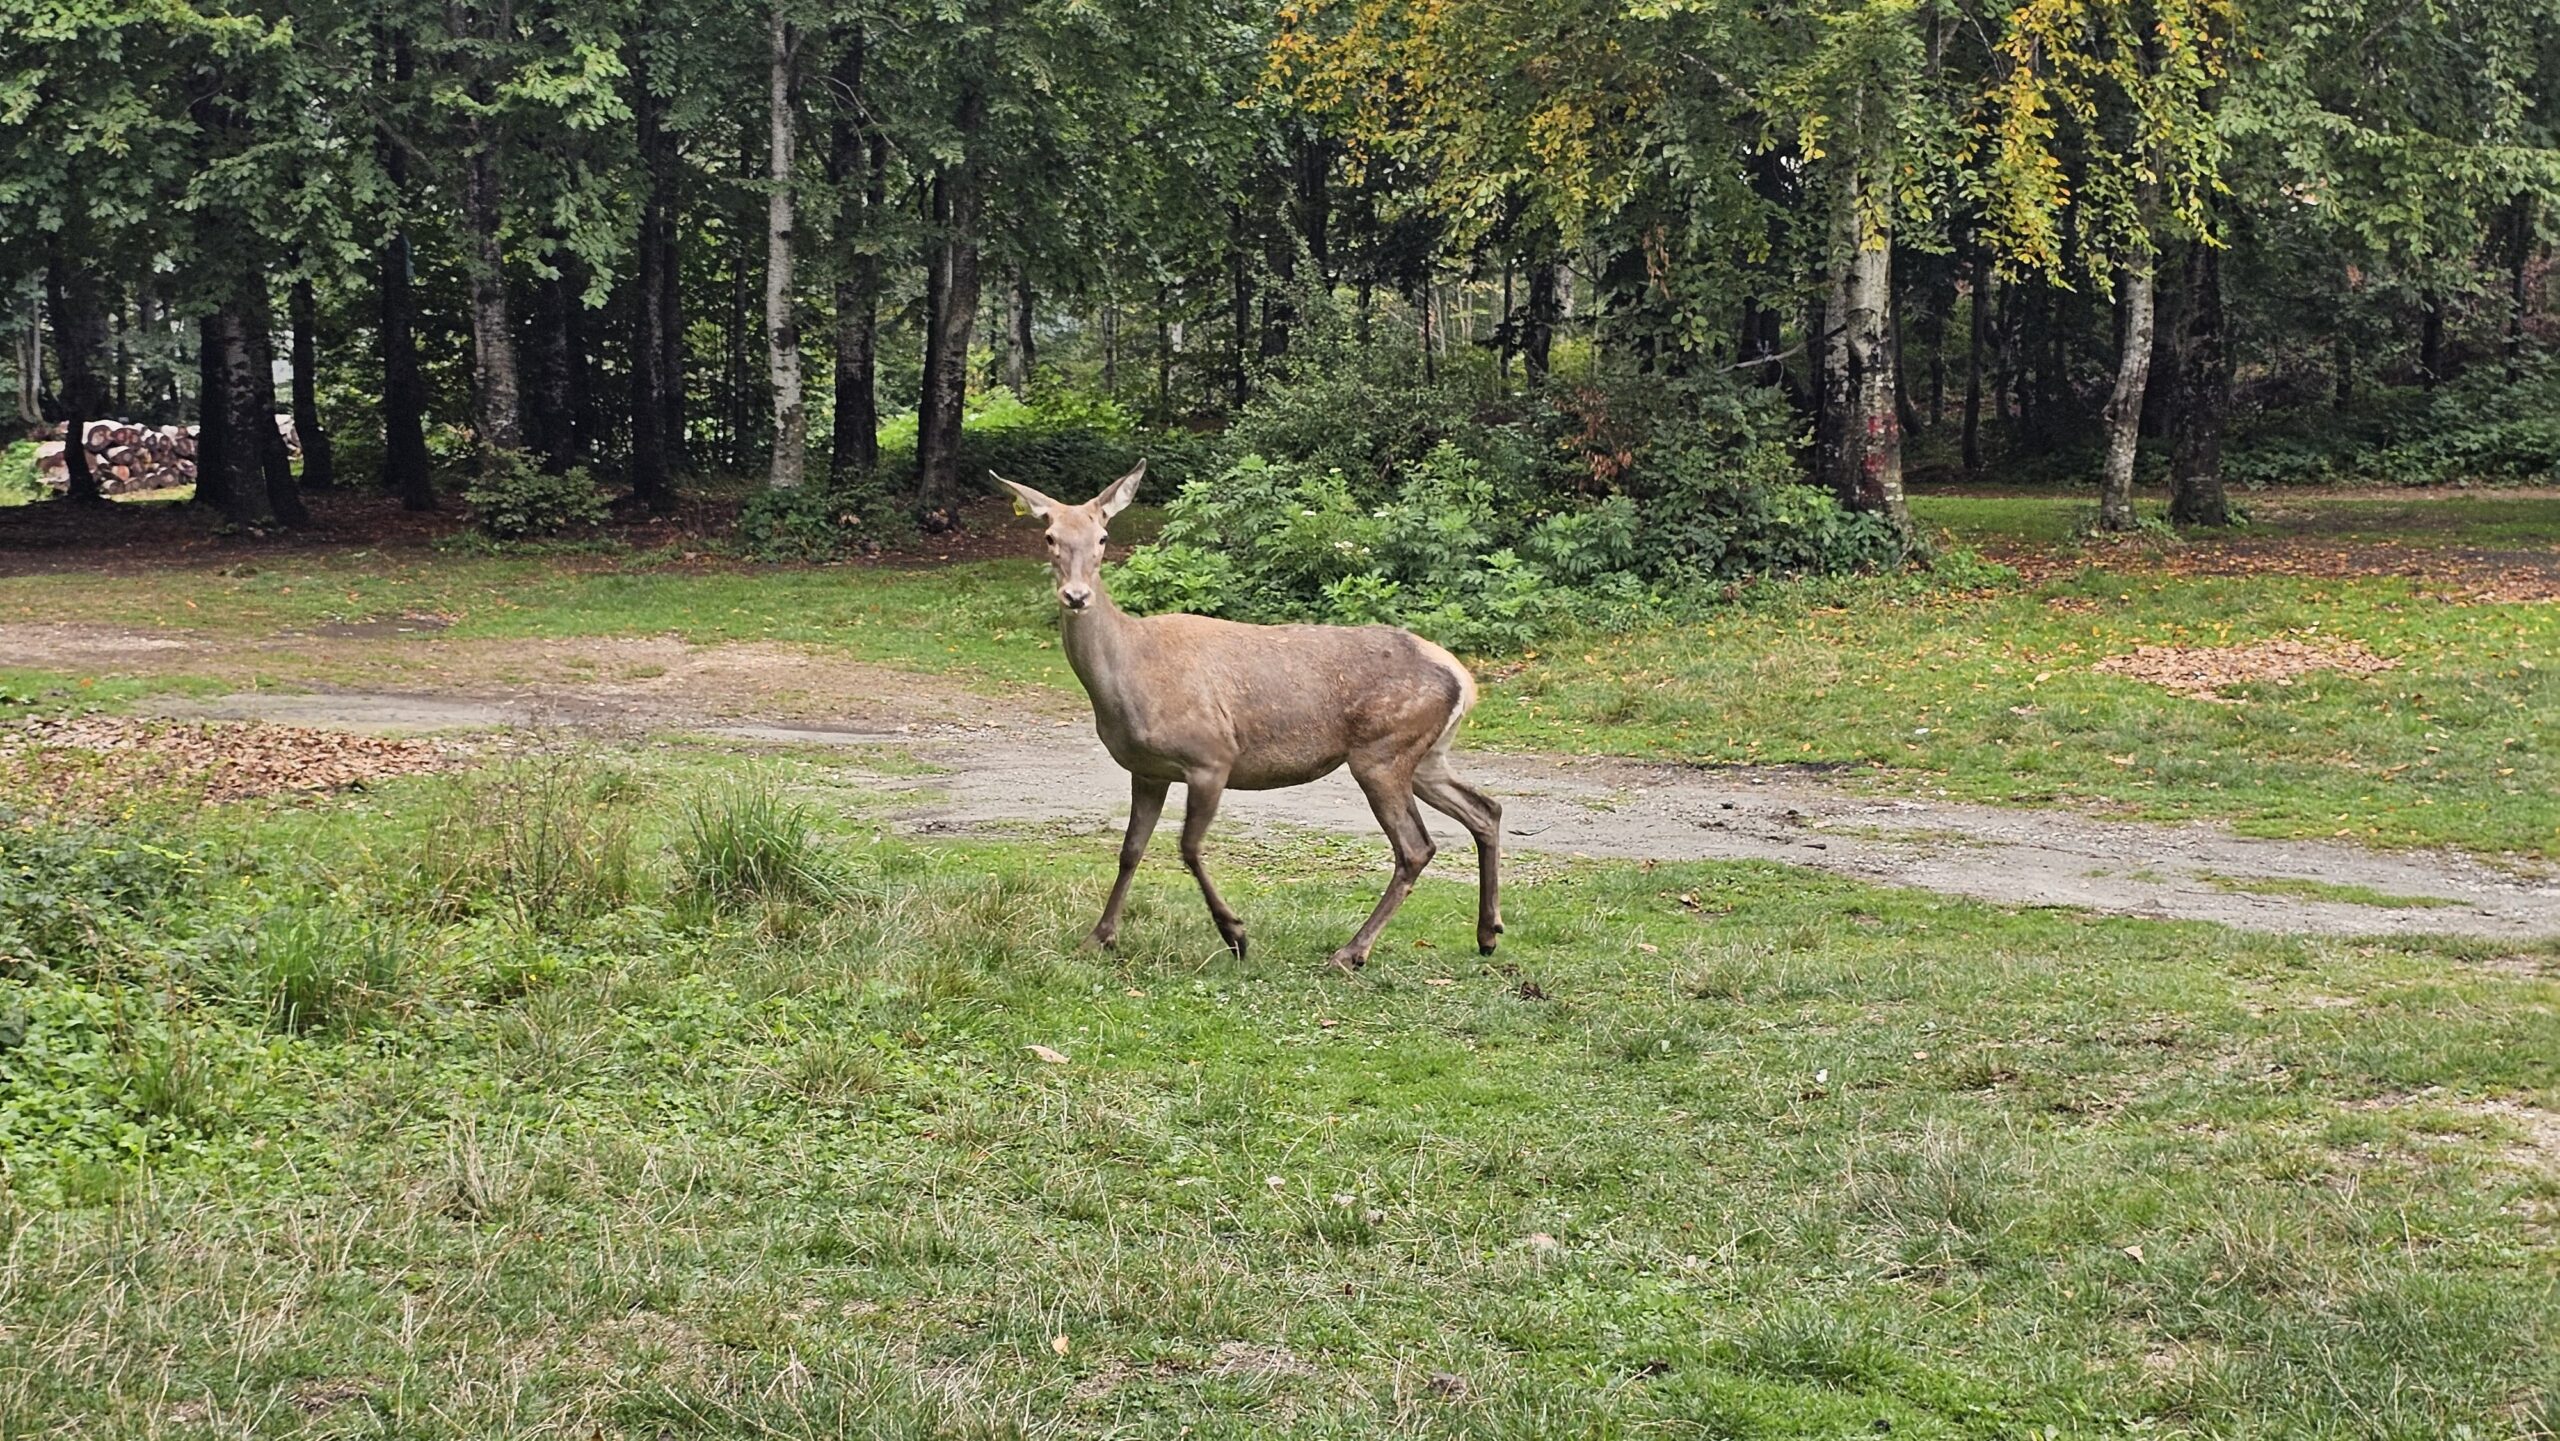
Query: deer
<point x="1222" y="705"/>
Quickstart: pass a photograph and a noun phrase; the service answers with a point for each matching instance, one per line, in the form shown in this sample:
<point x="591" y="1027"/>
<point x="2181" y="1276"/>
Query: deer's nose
<point x="1077" y="597"/>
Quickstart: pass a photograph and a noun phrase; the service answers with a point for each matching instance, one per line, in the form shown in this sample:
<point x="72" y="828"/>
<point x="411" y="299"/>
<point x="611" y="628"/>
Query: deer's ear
<point x="1025" y="499"/>
<point x="1115" y="498"/>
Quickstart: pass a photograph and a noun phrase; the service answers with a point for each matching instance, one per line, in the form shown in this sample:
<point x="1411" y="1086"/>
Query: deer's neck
<point x="1099" y="640"/>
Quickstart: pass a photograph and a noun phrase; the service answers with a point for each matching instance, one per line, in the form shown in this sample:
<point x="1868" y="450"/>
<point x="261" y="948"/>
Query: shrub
<point x="1577" y="508"/>
<point x="2481" y="429"/>
<point x="18" y="483"/>
<point x="821" y="521"/>
<point x="514" y="498"/>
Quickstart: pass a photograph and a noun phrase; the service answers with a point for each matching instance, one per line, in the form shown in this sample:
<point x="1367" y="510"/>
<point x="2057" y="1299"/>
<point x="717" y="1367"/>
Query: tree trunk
<point x="318" y="469"/>
<point x="856" y="151"/>
<point x="404" y="392"/>
<point x="2431" y="361"/>
<point x="1865" y="454"/>
<point x="1109" y="324"/>
<point x="1977" y="329"/>
<point x="79" y="334"/>
<point x="1020" y="355"/>
<point x="951" y="312"/>
<point x="2124" y="403"/>
<point x="228" y="453"/>
<point x="275" y="462"/>
<point x="495" y="416"/>
<point x="2519" y="281"/>
<point x="1240" y="314"/>
<point x="781" y="314"/>
<point x="2200" y="395"/>
<point x="1538" y="323"/>
<point x="651" y="445"/>
<point x="550" y="423"/>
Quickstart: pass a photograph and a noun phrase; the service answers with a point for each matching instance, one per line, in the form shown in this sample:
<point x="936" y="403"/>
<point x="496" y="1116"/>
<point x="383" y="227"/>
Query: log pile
<point x="128" y="457"/>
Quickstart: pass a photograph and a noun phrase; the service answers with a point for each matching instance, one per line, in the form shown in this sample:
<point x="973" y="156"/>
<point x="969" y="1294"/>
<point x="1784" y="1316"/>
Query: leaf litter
<point x="2203" y="672"/>
<point x="82" y="762"/>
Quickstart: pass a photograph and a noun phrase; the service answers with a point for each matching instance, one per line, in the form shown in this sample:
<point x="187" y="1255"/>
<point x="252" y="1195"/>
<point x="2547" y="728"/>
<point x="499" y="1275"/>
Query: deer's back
<point x="1282" y="704"/>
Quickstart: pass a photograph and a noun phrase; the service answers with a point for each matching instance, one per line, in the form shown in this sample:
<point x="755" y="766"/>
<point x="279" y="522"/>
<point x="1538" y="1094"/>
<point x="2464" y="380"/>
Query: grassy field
<point x="644" y="1093"/>
<point x="1985" y="693"/>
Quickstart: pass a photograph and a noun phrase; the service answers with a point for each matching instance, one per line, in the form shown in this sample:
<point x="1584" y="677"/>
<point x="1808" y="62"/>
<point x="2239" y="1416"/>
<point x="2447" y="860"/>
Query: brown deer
<point x="1217" y="704"/>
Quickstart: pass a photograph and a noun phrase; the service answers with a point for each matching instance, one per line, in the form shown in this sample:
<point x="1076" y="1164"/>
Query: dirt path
<point x="1032" y="757"/>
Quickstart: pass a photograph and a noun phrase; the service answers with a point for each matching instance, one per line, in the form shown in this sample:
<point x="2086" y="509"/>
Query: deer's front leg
<point x="1200" y="793"/>
<point x="1146" y="803"/>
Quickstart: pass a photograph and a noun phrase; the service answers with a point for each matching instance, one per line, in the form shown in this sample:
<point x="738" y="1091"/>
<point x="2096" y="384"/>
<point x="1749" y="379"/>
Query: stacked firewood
<point x="127" y="457"/>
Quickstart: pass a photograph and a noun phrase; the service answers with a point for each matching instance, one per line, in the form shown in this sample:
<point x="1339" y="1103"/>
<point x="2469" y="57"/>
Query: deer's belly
<point x="1159" y="755"/>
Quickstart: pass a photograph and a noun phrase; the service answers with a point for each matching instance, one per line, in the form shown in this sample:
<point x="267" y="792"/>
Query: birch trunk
<point x="781" y="319"/>
<point x="2123" y="414"/>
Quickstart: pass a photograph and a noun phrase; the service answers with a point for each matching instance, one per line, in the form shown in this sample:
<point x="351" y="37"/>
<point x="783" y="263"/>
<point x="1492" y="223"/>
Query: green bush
<point x="514" y="498"/>
<point x="1359" y="492"/>
<point x="2480" y="430"/>
<point x="18" y="483"/>
<point x="821" y="520"/>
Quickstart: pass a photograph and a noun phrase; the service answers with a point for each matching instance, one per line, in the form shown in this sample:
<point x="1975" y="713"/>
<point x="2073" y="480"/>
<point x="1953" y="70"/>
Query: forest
<point x="1581" y="300"/>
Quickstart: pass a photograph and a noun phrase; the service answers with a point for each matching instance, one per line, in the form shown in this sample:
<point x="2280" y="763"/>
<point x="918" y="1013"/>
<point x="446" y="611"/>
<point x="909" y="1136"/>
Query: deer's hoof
<point x="1236" y="943"/>
<point x="1347" y="960"/>
<point x="1102" y="940"/>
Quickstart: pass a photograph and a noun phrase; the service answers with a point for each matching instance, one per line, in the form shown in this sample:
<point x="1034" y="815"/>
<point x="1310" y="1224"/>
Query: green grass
<point x="1982" y="695"/>
<point x="1821" y="1160"/>
<point x="2326" y="891"/>
<point x="2491" y="520"/>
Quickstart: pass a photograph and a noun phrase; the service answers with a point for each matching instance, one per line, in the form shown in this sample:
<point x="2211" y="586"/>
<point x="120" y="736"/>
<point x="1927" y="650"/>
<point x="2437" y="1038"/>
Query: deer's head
<point x="1076" y="533"/>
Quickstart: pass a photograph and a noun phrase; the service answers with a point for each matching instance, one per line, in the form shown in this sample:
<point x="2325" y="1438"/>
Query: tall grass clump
<point x="537" y="841"/>
<point x="745" y="844"/>
<point x="309" y="968"/>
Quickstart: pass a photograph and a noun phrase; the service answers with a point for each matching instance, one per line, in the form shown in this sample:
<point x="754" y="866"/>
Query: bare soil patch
<point x="638" y="681"/>
<point x="2203" y="672"/>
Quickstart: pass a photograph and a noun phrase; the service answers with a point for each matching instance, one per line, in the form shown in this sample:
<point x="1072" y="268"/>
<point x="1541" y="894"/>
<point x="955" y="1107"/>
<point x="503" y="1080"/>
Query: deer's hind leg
<point x="1200" y="793"/>
<point x="1390" y="793"/>
<point x="1481" y="814"/>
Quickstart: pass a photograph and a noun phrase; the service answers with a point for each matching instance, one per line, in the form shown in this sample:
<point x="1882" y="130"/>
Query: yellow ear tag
<point x="1019" y="508"/>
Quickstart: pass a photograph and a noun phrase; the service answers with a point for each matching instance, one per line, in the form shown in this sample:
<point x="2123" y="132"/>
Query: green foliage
<point x="18" y="483"/>
<point x="2478" y="430"/>
<point x="820" y="520"/>
<point x="1495" y="530"/>
<point x="513" y="498"/>
<point x="65" y="886"/>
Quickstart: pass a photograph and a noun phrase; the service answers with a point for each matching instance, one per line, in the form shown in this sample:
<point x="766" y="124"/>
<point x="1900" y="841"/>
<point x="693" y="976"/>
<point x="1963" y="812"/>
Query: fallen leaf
<point x="1058" y="1344"/>
<point x="1054" y="1058"/>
